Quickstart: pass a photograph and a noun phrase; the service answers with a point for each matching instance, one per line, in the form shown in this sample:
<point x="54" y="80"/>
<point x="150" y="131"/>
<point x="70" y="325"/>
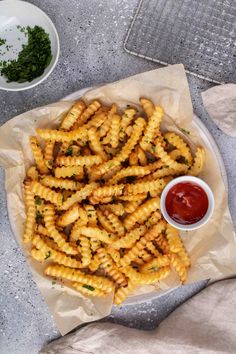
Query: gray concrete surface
<point x="91" y="34"/>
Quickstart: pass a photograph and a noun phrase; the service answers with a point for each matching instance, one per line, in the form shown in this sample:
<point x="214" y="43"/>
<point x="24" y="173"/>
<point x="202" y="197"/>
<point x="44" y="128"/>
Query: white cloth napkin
<point x="220" y="103"/>
<point x="204" y="324"/>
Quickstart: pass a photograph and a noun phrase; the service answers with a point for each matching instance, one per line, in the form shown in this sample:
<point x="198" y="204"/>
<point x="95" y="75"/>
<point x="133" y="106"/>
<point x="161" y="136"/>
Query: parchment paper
<point x="220" y="103"/>
<point x="212" y="248"/>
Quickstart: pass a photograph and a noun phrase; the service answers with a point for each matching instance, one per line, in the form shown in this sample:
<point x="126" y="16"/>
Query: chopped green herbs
<point x="38" y="200"/>
<point x="69" y="151"/>
<point x="34" y="57"/>
<point x="47" y="255"/>
<point x="185" y="131"/>
<point x="2" y="41"/>
<point x="88" y="287"/>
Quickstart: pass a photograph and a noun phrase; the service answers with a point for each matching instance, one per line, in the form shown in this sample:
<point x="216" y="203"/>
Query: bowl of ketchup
<point x="187" y="203"/>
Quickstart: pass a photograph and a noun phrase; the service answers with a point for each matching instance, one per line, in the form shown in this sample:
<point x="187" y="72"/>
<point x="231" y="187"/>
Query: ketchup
<point x="186" y="203"/>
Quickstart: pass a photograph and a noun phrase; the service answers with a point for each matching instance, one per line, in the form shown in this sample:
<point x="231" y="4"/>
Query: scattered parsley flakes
<point x="153" y="148"/>
<point x="47" y="255"/>
<point x="38" y="200"/>
<point x="69" y="151"/>
<point x="185" y="131"/>
<point x="2" y="41"/>
<point x="88" y="287"/>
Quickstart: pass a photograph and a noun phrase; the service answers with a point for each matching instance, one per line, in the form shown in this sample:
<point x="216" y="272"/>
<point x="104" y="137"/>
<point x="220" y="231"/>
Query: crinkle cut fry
<point x="110" y="267"/>
<point x="69" y="171"/>
<point x="46" y="193"/>
<point x="144" y="187"/>
<point x="146" y="278"/>
<point x="79" y="134"/>
<point x="150" y="235"/>
<point x="198" y="162"/>
<point x="97" y="233"/>
<point x="73" y="114"/>
<point x="77" y="197"/>
<point x="30" y="214"/>
<point x="51" y="254"/>
<point x="137" y="171"/>
<point x="74" y="275"/>
<point x="49" y="153"/>
<point x="87" y="113"/>
<point x="62" y="183"/>
<point x="147" y="105"/>
<point x="49" y="219"/>
<point x="38" y="155"/>
<point x="130" y="238"/>
<point x="95" y="144"/>
<point x="153" y="126"/>
<point x="123" y="292"/>
<point x="179" y="143"/>
<point x="142" y="213"/>
<point x="79" y="160"/>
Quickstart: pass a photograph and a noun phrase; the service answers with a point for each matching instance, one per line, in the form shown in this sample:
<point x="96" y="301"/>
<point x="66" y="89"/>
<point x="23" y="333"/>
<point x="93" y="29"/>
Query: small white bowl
<point x="200" y="183"/>
<point x="15" y="13"/>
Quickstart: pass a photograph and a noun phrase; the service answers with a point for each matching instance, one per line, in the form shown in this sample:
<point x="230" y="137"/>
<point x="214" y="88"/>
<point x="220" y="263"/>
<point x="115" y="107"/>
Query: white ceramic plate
<point x="15" y="13"/>
<point x="211" y="145"/>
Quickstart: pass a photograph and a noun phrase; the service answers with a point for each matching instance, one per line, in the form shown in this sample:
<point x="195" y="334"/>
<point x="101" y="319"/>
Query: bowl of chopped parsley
<point x="29" y="45"/>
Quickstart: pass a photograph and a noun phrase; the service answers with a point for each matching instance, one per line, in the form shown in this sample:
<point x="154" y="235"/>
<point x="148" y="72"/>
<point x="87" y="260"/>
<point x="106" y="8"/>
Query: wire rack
<point x="201" y="34"/>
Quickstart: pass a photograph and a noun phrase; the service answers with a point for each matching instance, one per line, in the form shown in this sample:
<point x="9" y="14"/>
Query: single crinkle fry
<point x="115" y="222"/>
<point x="118" y="209"/>
<point x="150" y="235"/>
<point x="148" y="106"/>
<point x="97" y="120"/>
<point x="155" y="264"/>
<point x="133" y="198"/>
<point x="109" y="191"/>
<point x="69" y="171"/>
<point x="38" y="155"/>
<point x="69" y="216"/>
<point x="115" y="254"/>
<point x="178" y="265"/>
<point x="145" y="187"/>
<point x="49" y="153"/>
<point x="152" y="128"/>
<point x="105" y="223"/>
<point x="77" y="197"/>
<point x="95" y="144"/>
<point x="62" y="183"/>
<point x="115" y="129"/>
<point x="85" y="251"/>
<point x="163" y="155"/>
<point x="53" y="255"/>
<point x="110" y="267"/>
<point x="131" y="206"/>
<point x="97" y="233"/>
<point x="152" y="249"/>
<point x="153" y="219"/>
<point x="58" y="135"/>
<point x="136" y="171"/>
<point x="126" y="119"/>
<point x="75" y="275"/>
<point x="49" y="219"/>
<point x="173" y="238"/>
<point x="122" y="293"/>
<point x="198" y="162"/>
<point x="87" y="113"/>
<point x="142" y="213"/>
<point x="146" y="278"/>
<point x="88" y="290"/>
<point x="33" y="173"/>
<point x="79" y="160"/>
<point x="91" y="215"/>
<point x="141" y="156"/>
<point x="130" y="238"/>
<point x="40" y="229"/>
<point x="178" y="142"/>
<point x="46" y="193"/>
<point x="30" y="214"/>
<point x="72" y="116"/>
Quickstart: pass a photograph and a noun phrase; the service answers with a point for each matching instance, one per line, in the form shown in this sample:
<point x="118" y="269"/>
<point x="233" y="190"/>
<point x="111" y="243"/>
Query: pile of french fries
<point x="93" y="199"/>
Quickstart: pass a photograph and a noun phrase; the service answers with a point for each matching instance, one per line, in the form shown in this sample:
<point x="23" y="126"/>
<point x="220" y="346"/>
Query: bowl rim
<point x="210" y="196"/>
<point x="55" y="58"/>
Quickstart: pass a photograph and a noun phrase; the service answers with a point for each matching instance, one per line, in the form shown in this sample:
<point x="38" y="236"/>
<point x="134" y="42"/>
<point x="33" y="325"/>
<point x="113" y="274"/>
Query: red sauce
<point x="186" y="203"/>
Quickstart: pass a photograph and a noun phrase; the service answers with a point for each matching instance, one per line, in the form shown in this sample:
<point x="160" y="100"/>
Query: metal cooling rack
<point x="201" y="34"/>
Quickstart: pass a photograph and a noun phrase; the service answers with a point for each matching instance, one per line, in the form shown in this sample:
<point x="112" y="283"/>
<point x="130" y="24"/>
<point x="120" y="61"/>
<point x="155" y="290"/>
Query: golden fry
<point x="38" y="155"/>
<point x="73" y="115"/>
